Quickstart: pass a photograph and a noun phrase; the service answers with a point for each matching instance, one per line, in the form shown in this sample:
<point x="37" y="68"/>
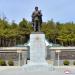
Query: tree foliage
<point x="12" y="34"/>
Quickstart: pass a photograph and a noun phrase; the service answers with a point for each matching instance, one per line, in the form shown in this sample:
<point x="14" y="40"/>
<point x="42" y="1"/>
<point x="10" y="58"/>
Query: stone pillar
<point x="52" y="54"/>
<point x="37" y="48"/>
<point x="24" y="57"/>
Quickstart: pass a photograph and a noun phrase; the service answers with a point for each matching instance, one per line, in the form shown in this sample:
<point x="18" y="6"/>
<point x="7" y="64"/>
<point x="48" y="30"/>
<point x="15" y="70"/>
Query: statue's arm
<point x="40" y="13"/>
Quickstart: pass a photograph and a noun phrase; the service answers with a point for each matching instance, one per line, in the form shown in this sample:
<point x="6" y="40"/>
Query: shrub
<point x="10" y="63"/>
<point x="74" y="63"/>
<point x="2" y="62"/>
<point x="66" y="62"/>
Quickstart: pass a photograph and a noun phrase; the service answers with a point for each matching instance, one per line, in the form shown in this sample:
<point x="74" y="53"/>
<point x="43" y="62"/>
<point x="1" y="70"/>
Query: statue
<point x="36" y="19"/>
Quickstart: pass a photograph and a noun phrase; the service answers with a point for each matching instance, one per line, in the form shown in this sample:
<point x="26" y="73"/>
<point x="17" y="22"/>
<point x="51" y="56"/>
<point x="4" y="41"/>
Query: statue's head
<point x="36" y="8"/>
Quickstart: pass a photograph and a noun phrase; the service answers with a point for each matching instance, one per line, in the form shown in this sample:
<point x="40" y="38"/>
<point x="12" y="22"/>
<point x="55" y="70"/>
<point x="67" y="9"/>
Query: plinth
<point x="38" y="53"/>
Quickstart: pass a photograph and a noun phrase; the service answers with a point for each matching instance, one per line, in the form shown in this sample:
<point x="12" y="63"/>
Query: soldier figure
<point x="36" y="19"/>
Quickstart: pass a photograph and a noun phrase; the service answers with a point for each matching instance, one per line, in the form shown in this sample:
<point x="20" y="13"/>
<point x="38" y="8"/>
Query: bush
<point x="66" y="62"/>
<point x="2" y="62"/>
<point x="10" y="63"/>
<point x="74" y="63"/>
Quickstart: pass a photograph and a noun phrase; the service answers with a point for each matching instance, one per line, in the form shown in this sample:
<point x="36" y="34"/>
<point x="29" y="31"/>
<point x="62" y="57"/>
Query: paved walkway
<point x="21" y="71"/>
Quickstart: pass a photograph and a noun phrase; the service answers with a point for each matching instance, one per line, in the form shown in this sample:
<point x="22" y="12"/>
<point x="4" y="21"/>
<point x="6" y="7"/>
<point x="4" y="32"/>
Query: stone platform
<point x="33" y="68"/>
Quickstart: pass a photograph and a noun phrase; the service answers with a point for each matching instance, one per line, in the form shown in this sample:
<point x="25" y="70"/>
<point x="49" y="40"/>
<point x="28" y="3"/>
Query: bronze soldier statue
<point x="36" y="19"/>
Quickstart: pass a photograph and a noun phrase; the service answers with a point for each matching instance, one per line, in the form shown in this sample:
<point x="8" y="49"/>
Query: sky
<point x="58" y="10"/>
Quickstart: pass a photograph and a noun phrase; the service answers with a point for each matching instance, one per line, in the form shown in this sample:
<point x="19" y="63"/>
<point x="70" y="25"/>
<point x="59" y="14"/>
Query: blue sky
<point x="58" y="10"/>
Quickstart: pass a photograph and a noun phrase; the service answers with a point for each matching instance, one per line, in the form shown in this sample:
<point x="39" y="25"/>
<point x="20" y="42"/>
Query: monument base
<point x="38" y="54"/>
<point x="38" y="67"/>
<point x="37" y="48"/>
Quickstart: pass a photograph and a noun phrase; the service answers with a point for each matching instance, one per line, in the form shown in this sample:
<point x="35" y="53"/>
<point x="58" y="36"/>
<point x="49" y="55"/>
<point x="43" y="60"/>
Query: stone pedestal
<point x="37" y="48"/>
<point x="38" y="53"/>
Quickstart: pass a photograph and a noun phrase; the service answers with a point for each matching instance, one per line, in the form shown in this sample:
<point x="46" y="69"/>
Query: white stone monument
<point x="38" y="53"/>
<point x="37" y="49"/>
